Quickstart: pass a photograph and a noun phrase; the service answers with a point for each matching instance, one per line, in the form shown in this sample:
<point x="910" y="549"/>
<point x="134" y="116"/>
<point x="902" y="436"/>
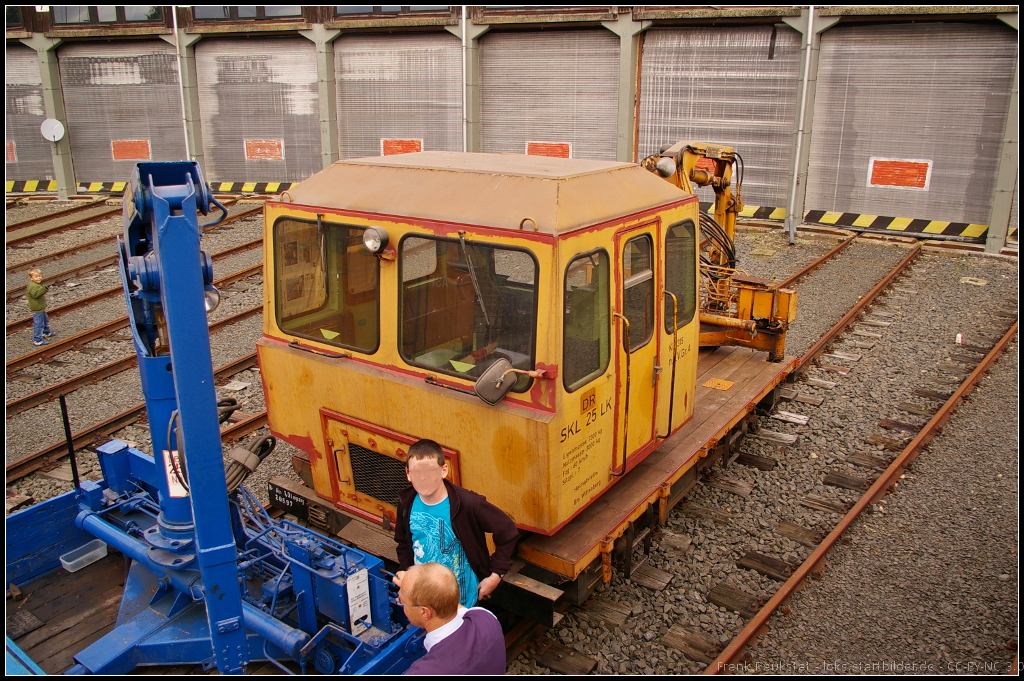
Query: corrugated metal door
<point x="123" y="105"/>
<point x="28" y="154"/>
<point x="908" y="119"/>
<point x="737" y="86"/>
<point x="402" y="89"/>
<point x="259" y="103"/>
<point x="556" y="88"/>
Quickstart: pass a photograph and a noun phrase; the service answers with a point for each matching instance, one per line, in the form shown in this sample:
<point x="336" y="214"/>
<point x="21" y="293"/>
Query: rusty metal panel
<point x="551" y="87"/>
<point x="395" y="89"/>
<point x="738" y="86"/>
<point x="28" y="154"/>
<point x="909" y="96"/>
<point x="260" y="111"/>
<point x="120" y="92"/>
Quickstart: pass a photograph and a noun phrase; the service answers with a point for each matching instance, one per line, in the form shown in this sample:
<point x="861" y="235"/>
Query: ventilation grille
<point x="376" y="475"/>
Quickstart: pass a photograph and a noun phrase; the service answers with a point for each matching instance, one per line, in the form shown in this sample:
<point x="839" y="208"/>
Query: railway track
<point x="885" y="483"/>
<point x="57" y="347"/>
<point x="48" y="457"/>
<point x="58" y="255"/>
<point x="72" y="210"/>
<point x="26" y="322"/>
<point x="99" y="263"/>
<point x="22" y="235"/>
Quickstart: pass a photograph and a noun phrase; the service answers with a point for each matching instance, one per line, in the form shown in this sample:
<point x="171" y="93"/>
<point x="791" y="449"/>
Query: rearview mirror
<point x="495" y="382"/>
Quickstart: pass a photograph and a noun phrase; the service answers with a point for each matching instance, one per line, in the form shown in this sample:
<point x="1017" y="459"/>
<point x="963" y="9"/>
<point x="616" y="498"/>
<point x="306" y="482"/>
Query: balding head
<point x="434" y="586"/>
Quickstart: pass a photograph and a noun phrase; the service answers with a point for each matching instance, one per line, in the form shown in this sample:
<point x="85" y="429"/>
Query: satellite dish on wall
<point x="52" y="129"/>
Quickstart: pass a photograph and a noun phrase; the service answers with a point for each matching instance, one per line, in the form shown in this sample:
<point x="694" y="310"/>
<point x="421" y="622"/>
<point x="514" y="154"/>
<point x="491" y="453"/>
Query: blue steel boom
<point x="213" y="580"/>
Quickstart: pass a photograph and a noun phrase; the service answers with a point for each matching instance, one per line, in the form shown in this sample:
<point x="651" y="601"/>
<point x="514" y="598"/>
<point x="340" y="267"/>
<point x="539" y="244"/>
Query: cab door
<point x="637" y="318"/>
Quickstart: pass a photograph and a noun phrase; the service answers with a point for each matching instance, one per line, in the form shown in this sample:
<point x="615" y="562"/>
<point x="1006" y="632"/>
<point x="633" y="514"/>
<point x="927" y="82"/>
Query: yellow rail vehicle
<point x="545" y="320"/>
<point x="541" y="270"/>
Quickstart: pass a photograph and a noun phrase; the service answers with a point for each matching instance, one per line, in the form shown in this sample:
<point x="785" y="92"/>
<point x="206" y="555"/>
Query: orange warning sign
<point x="12" y="154"/>
<point x="552" y="149"/>
<point x="391" y="147"/>
<point x="902" y="173"/>
<point x="264" y="150"/>
<point x="130" y="150"/>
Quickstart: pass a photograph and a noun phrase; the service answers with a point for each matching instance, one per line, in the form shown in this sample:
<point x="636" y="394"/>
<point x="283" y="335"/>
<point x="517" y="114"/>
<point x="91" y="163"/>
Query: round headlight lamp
<point x="375" y="239"/>
<point x="211" y="298"/>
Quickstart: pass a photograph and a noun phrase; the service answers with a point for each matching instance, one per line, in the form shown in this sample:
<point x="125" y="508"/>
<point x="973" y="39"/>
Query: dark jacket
<point x="472" y="516"/>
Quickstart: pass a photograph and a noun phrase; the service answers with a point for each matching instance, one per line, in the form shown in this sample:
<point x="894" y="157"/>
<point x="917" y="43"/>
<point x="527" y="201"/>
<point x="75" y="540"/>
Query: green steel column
<point x="1006" y="171"/>
<point x="629" y="39"/>
<point x="802" y="134"/>
<point x="326" y="88"/>
<point x="185" y="46"/>
<point x="53" y="105"/>
<point x="470" y="80"/>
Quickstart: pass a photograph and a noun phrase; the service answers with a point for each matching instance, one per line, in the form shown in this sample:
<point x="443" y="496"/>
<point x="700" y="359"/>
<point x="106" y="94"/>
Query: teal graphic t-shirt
<point x="434" y="541"/>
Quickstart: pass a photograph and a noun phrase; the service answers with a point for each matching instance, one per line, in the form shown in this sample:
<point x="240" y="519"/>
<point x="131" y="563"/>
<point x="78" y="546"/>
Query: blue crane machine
<point x="214" y="580"/>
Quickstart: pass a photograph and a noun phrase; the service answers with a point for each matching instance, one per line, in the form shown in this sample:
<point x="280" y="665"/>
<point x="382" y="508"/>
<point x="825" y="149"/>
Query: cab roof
<point x="489" y="190"/>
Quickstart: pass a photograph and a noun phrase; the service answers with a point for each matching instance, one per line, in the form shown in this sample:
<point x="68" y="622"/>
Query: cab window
<point x="681" y="272"/>
<point x="586" y="329"/>
<point x="326" y="283"/>
<point x="638" y="290"/>
<point x="465" y="305"/>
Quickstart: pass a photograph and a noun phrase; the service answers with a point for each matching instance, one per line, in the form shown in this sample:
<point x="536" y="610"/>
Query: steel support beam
<point x="1006" y="170"/>
<point x="470" y="33"/>
<point x="629" y="32"/>
<point x="53" y="105"/>
<point x="800" y="154"/>
<point x="326" y="87"/>
<point x="188" y="83"/>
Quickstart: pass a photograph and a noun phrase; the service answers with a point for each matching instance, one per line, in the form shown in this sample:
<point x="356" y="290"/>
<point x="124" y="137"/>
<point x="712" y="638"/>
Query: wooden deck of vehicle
<point x="68" y="611"/>
<point x="716" y="411"/>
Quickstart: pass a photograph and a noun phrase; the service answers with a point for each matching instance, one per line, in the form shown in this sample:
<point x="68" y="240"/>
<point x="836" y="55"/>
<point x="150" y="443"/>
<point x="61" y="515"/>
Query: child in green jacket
<point x="37" y="306"/>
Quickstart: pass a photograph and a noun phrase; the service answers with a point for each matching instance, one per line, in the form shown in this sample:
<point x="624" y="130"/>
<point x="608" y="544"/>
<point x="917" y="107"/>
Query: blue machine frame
<point x="214" y="580"/>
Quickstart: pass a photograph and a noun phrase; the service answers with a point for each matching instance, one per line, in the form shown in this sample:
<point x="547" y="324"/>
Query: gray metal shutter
<point x="260" y="111"/>
<point x="737" y="86"/>
<point x="550" y="86"/>
<point x="398" y="87"/>
<point x="123" y="103"/>
<point x="934" y="94"/>
<point x="28" y="154"/>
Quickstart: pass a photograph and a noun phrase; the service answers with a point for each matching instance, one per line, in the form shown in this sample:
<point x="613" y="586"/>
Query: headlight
<point x="375" y="239"/>
<point x="211" y="297"/>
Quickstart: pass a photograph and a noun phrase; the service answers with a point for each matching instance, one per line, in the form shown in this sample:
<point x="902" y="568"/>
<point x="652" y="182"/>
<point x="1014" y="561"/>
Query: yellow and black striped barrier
<point x="875" y="223"/>
<point x="27" y="186"/>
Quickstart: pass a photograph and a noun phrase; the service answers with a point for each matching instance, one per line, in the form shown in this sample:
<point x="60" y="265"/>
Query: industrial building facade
<point x="870" y="110"/>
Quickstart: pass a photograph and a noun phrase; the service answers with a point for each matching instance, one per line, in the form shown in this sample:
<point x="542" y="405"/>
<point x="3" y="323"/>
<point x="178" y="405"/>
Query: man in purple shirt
<point x="459" y="641"/>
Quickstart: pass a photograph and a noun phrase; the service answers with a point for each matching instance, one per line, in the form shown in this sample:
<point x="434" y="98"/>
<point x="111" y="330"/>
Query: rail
<point x="758" y="624"/>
